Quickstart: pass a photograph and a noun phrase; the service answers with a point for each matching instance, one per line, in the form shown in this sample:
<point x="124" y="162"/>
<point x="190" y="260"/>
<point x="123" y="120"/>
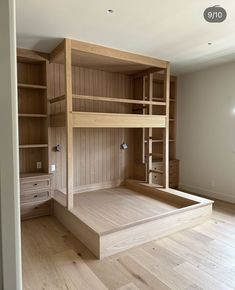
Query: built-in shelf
<point x="28" y="86"/>
<point x="172" y="100"/>
<point x="28" y="146"/>
<point x="34" y="174"/>
<point x="172" y="120"/>
<point x="33" y="115"/>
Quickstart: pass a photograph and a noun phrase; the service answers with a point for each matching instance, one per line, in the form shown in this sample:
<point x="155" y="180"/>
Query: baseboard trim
<point x="206" y="192"/>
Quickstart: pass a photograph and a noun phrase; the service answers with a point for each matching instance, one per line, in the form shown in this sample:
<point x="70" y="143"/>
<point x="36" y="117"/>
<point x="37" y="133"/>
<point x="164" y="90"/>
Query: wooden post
<point x="166" y="131"/>
<point x="69" y="128"/>
<point x="150" y="133"/>
<point x="143" y="132"/>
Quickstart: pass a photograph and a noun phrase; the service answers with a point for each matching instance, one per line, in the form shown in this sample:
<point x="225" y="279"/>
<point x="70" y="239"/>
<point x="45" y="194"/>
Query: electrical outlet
<point x="52" y="168"/>
<point x="39" y="165"/>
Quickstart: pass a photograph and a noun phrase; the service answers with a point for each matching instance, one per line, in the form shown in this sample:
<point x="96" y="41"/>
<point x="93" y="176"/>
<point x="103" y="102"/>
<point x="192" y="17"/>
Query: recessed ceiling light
<point x="110" y="11"/>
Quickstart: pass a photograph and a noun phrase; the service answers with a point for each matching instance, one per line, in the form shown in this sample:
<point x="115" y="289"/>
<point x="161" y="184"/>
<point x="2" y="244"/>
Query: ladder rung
<point x="156" y="171"/>
<point x="154" y="154"/>
<point x="158" y="140"/>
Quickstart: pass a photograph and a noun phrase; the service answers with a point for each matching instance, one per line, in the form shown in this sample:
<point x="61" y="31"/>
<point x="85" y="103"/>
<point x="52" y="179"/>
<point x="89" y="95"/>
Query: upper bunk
<point x="139" y="108"/>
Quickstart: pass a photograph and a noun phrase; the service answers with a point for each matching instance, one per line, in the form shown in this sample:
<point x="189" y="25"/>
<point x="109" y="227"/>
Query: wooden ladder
<point x="147" y="134"/>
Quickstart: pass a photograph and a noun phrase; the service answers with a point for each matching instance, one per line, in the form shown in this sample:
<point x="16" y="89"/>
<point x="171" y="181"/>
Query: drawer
<point x="158" y="166"/>
<point x="158" y="178"/>
<point x="35" y="185"/>
<point x="31" y="210"/>
<point x="34" y="196"/>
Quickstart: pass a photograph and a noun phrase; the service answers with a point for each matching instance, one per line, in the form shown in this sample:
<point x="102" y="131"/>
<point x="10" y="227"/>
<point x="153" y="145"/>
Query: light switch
<point x="52" y="168"/>
<point x="39" y="165"/>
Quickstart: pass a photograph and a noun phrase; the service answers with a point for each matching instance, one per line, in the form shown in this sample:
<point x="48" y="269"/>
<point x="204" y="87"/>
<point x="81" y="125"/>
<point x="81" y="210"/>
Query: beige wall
<point x="9" y="180"/>
<point x="206" y="131"/>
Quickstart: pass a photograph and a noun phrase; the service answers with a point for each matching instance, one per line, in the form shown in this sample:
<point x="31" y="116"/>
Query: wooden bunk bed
<point x="100" y="100"/>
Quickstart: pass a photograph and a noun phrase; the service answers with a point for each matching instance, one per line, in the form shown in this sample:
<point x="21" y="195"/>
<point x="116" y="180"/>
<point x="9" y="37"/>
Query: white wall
<point x="206" y="131"/>
<point x="9" y="180"/>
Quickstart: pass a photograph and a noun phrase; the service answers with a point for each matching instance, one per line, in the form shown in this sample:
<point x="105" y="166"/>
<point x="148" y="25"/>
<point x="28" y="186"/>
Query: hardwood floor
<point x="198" y="258"/>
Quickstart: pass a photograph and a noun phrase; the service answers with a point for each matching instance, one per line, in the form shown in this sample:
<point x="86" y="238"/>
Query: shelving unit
<point x="33" y="133"/>
<point x="103" y="100"/>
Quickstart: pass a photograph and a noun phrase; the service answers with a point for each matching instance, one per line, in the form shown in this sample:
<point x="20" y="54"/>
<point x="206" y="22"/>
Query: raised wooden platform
<point x="109" y="221"/>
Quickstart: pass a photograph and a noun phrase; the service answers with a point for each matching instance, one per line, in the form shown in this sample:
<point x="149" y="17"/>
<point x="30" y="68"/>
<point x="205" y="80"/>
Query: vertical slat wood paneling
<point x="97" y="154"/>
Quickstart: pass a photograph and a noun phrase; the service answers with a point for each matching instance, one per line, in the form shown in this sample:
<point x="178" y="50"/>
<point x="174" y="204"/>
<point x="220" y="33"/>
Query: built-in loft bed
<point x="101" y="99"/>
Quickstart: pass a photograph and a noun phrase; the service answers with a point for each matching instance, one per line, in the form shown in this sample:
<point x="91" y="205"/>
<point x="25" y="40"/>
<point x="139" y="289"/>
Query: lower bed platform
<point x="112" y="220"/>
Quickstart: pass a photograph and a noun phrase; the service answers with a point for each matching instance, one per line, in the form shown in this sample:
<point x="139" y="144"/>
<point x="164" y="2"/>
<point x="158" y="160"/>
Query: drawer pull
<point x="35" y="184"/>
<point x="36" y="207"/>
<point x="35" y="195"/>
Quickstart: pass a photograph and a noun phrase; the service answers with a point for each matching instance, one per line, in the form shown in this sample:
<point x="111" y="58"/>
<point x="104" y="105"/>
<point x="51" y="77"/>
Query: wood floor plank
<point x="203" y="250"/>
<point x="143" y="278"/>
<point x="215" y="233"/>
<point x="129" y="286"/>
<point x="161" y="269"/>
<point x="202" y="259"/>
<point x="163" y="254"/>
<point x="110" y="272"/>
<point x="75" y="273"/>
<point x="200" y="278"/>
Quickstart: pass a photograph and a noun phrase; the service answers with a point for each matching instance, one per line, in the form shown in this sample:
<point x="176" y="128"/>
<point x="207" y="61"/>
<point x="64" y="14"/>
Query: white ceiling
<point x="174" y="30"/>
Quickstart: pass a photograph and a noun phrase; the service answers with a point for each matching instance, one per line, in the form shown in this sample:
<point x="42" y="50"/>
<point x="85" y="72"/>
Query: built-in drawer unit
<point x="35" y="195"/>
<point x="31" y="210"/>
<point x="173" y="173"/>
<point x="35" y="184"/>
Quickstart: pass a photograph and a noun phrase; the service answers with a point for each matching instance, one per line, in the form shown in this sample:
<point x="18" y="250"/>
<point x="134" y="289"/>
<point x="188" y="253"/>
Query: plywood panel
<point x="98" y="158"/>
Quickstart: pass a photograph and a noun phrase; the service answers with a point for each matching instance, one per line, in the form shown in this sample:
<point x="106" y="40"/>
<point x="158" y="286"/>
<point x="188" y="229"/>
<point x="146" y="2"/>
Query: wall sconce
<point x="124" y="146"/>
